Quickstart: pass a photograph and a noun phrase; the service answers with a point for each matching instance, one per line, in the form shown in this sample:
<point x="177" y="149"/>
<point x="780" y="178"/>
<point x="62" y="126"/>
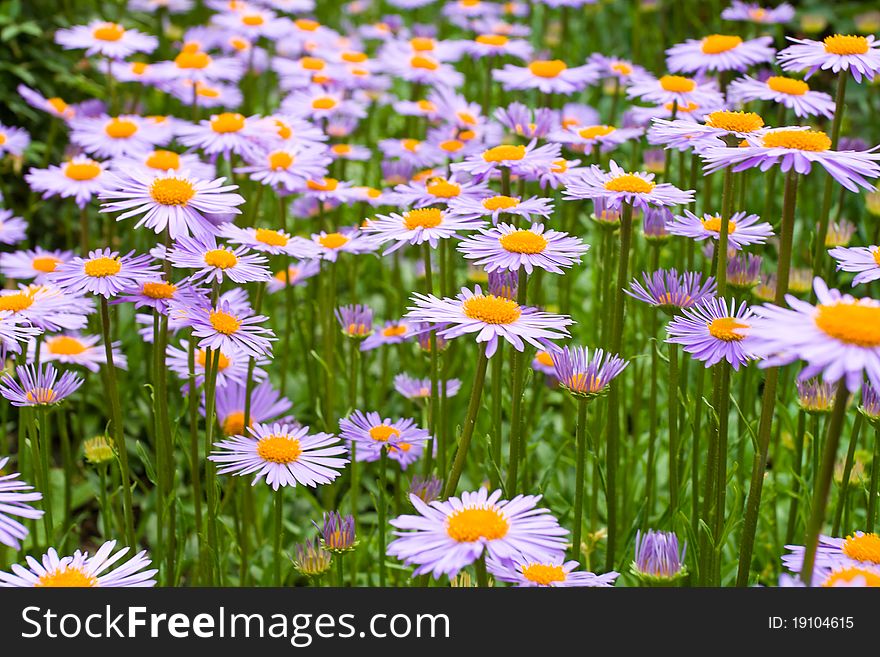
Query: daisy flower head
<point x="232" y="368"/>
<point x="857" y="55"/>
<point x="423" y="68"/>
<point x="870" y="406"/>
<point x="435" y="190"/>
<point x="744" y="272"/>
<point x="713" y="331"/>
<point x="419" y="226"/>
<point x="508" y="247"/>
<point x="295" y="274"/>
<point x="12" y="229"/>
<point x="584" y="375"/>
<point x="815" y="396"/>
<point x="161" y="160"/>
<point x="81" y="178"/>
<point x="14" y="331"/>
<point x="227" y="133"/>
<point x="329" y="191"/>
<point x="271" y="241"/>
<point x="858" y="550"/>
<point x="526" y="122"/>
<point x="194" y="64"/>
<point x="683" y="91"/>
<point x="655" y="224"/>
<point x="498" y="45"/>
<point x="586" y="138"/>
<point x="518" y="158"/>
<point x="267" y="404"/>
<point x="45" y="307"/>
<point x="392" y="332"/>
<point x="445" y="537"/>
<point x="839" y="233"/>
<point x="752" y="12"/>
<point x="370" y="434"/>
<point x="356" y="321"/>
<point x="38" y="386"/>
<point x="553" y="572"/>
<point x="719" y="52"/>
<point x="863" y="261"/>
<point x="114" y="136"/>
<point x="345" y="240"/>
<point x="670" y="291"/>
<point x="722" y="124"/>
<point x="53" y="106"/>
<point x="82" y="571"/>
<point x="214" y="262"/>
<point x="75" y="349"/>
<point x="490" y="317"/>
<point x="15" y="502"/>
<point x="13" y="140"/>
<point x="796" y="148"/>
<point x="413" y="388"/>
<point x="160" y="294"/>
<point x="617" y="187"/>
<point x="838" y="338"/>
<point x="337" y="532"/>
<point x="549" y="76"/>
<point x="658" y="559"/>
<point x="288" y="169"/>
<point x="226" y="329"/>
<point x="495" y="206"/>
<point x="743" y="230"/>
<point x="616" y="68"/>
<point x="789" y="92"/>
<point x="110" y="40"/>
<point x="281" y="455"/>
<point x="103" y="272"/>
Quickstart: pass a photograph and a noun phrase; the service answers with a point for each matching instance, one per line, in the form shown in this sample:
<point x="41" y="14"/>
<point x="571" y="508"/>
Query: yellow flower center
<point x="630" y="184"/>
<point x="393" y="331"/>
<point x="312" y="63"/>
<point x="451" y="145"/>
<point x="593" y="131"/>
<point x="472" y="524"/>
<point x="16" y="302"/>
<point x="120" y="128"/>
<point x="270" y="237"/>
<point x="412" y="145"/>
<point x="677" y="84"/>
<point x="253" y="20"/>
<point x="802" y="140"/>
<point x="492" y="39"/>
<point x="108" y="32"/>
<point x="523" y="241"/>
<point x="581" y="382"/>
<point x="159" y="290"/>
<point x="424" y="62"/>
<point x="172" y="191"/>
<point x="102" y="267"/>
<point x="852" y="323"/>
<point x="543" y="574"/>
<point x="279" y="449"/>
<point x="41" y="396"/>
<point x="682" y="109"/>
<point x="57" y="104"/>
<point x="45" y="264"/>
<point x="323" y="185"/>
<point x="192" y="59"/>
<point x="163" y="160"/>
<point x="863" y="548"/>
<point x="500" y="203"/>
<point x="65" y="345"/>
<point x="622" y="67"/>
<point x="205" y="91"/>
<point x="280" y="160"/>
<point x="718" y="43"/>
<point x="466" y="117"/>
<point x="726" y="329"/>
<point x="222" y="363"/>
<point x="442" y="188"/>
<point x="333" y="240"/>
<point x="341" y="149"/>
<point x="547" y="68"/>
<point x="840" y="44"/>
<point x="239" y="44"/>
<point x="2" y="138"/>
<point x="544" y="358"/>
<point x="382" y="433"/>
<point x="876" y="255"/>
<point x="67" y="578"/>
<point x="424" y="218"/>
<point x="227" y="122"/>
<point x="221" y="259"/>
<point x="846" y="576"/>
<point x="139" y="68"/>
<point x="560" y="166"/>
<point x="714" y="224"/>
<point x="307" y="24"/>
<point x="490" y="309"/>
<point x="504" y="152"/>
<point x="88" y="170"/>
<point x="422" y="44"/>
<point x="735" y="121"/>
<point x="233" y="425"/>
<point x="354" y="57"/>
<point x="223" y="322"/>
<point x="787" y="85"/>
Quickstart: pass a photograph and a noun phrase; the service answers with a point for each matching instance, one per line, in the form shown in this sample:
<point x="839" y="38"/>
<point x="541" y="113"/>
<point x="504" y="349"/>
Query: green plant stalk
<point x="276" y="539"/>
<point x="382" y="512"/>
<point x="434" y="408"/>
<point x="724" y="231"/>
<point x="212" y="359"/>
<point x="847" y="471"/>
<point x="497" y="418"/>
<point x="580" y="467"/>
<point x="873" y="485"/>
<point x="797" y="470"/>
<point x="195" y="470"/>
<point x="768" y="401"/>
<point x="674" y="384"/>
<point x="329" y="346"/>
<point x="467" y="430"/>
<point x="723" y="406"/>
<point x="516" y="394"/>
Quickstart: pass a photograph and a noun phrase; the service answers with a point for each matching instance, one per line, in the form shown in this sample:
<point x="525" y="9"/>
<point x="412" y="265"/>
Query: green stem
<point x="580" y="466"/>
<point x="797" y="469"/>
<point x="724" y="231"/>
<point x="875" y="479"/>
<point x="382" y="512"/>
<point x="673" y="426"/>
<point x="279" y="532"/>
<point x="516" y="394"/>
<point x="467" y="429"/>
<point x="847" y="471"/>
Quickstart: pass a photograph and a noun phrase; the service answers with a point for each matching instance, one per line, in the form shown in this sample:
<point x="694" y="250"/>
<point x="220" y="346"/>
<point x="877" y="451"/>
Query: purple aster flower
<point x="447" y="536"/>
<point x="711" y="331"/>
<point x="267" y="405"/>
<point x="670" y="291"/>
<point x="839" y="233"/>
<point x="295" y="274"/>
<point x="38" y="386"/>
<point x="742" y="229"/>
<point x="12" y="229"/>
<point x="675" y="89"/>
<point x="14" y="331"/>
<point x="491" y="318"/>
<point x="719" y="52"/>
<point x="618" y="187"/>
<point x="392" y="332"/>
<point x="752" y="12"/>
<point x="545" y="362"/>
<point x="311" y="559"/>
<point x="337" y="532"/>
<point x="508" y="247"/>
<point x="217" y="263"/>
<point x="495" y="206"/>
<point x="789" y="92"/>
<point x="549" y="76"/>
<point x="616" y="68"/>
<point x="224" y="329"/>
<point x="82" y="571"/>
<point x="798" y="149"/>
<point x="232" y="368"/>
<point x="438" y="189"/>
<point x="586" y="376"/>
<point x="498" y="45"/>
<point x="103" y="272"/>
<point x="553" y="572"/>
<point x="115" y="136"/>
<point x="287" y="169"/>
<point x="815" y="396"/>
<point x="426" y="489"/>
<point x="526" y="122"/>
<point x="856" y="550"/>
<point x="585" y="138"/>
<point x="415" y="227"/>
<point x="110" y="40"/>
<point x="858" y="55"/>
<point x="865" y="261"/>
<point x="348" y="240"/>
<point x="77" y="349"/>
<point x="355" y="320"/>
<point x="413" y="388"/>
<point x="654" y="224"/>
<point x="13" y="140"/>
<point x="81" y="178"/>
<point x="15" y="499"/>
<point x="520" y="159"/>
<point x="839" y="337"/>
<point x="870" y="406"/>
<point x="402" y="440"/>
<point x="503" y="283"/>
<point x="35" y="264"/>
<point x="658" y="560"/>
<point x="225" y="134"/>
<point x="46" y="307"/>
<point x="282" y="455"/>
<point x="744" y="271"/>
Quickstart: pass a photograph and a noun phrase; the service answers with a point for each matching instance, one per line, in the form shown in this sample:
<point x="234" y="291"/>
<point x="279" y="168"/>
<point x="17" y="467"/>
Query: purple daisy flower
<point x="225" y="329"/>
<point x="217" y="263"/>
<point x="526" y="122"/>
<point x="670" y="291"/>
<point x="555" y="572"/>
<point x="858" y="55"/>
<point x="46" y="307"/>
<point x="719" y="52"/>
<point x="110" y="40"/>
<point x="296" y="274"/>
<point x="856" y="550"/>
<point x="839" y="337"/>
<point x="15" y="499"/>
<point x="752" y="12"/>
<point x="415" y="227"/>
<point x="742" y="229"/>
<point x="267" y="405"/>
<point x="586" y="376"/>
<point x="282" y="455"/>
<point x="658" y="559"/>
<point x="494" y="206"/>
<point x="356" y="320"/>
<point x="618" y="187"/>
<point x="82" y="571"/>
<point x="447" y="536"/>
<point x="38" y="386"/>
<point x="36" y="264"/>
<point x="81" y="179"/>
<point x="225" y="134"/>
<point x="816" y="396"/>
<point x="585" y="138"/>
<point x="520" y="159"/>
<point x="413" y="388"/>
<point x="337" y="532"/>
<point x="712" y="332"/>
<point x="549" y="76"/>
<point x="437" y="189"/>
<point x="794" y="94"/>
<point x="675" y="89"/>
<point x="103" y="272"/>
<point x="77" y="349"/>
<point x="12" y="229"/>
<point x="402" y="440"/>
<point x="392" y="332"/>
<point x="348" y="240"/>
<point x="288" y="169"/>
<point x="490" y="317"/>
<point x="427" y="488"/>
<point x="170" y="200"/>
<point x="13" y="140"/>
<point x="14" y="331"/>
<point x="508" y="247"/>
<point x="115" y="136"/>
<point x="744" y="271"/>
<point x="865" y="261"/>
